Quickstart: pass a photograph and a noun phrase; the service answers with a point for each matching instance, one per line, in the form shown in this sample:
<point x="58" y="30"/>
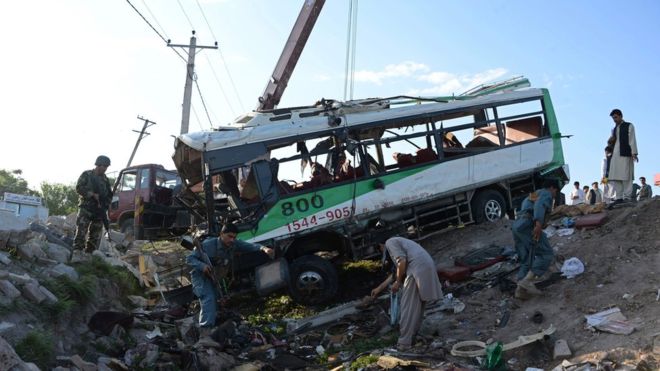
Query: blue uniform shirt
<point x="215" y="250"/>
<point x="538" y="208"/>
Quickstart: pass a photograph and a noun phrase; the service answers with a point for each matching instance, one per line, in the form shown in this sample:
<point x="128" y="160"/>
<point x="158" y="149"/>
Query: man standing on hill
<point x="624" y="155"/>
<point x="95" y="193"/>
<point x="645" y="191"/>
<point x="577" y="195"/>
<point x="531" y="243"/>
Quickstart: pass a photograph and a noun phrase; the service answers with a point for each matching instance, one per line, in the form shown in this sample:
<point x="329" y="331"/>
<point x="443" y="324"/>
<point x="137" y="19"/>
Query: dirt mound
<point x="621" y="259"/>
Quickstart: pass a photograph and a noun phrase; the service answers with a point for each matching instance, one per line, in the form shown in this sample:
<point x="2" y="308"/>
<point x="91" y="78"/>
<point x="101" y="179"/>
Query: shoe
<point x="527" y="283"/>
<point x="521" y="293"/>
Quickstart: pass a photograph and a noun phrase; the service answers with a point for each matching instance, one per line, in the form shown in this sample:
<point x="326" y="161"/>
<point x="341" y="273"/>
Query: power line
<point x="206" y="20"/>
<point x="199" y="123"/>
<point x="231" y="80"/>
<point x="153" y="28"/>
<point x="186" y="14"/>
<point x="155" y="19"/>
<point x="231" y="108"/>
<point x="202" y="99"/>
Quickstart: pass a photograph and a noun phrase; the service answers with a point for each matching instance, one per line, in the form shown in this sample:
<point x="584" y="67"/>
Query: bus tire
<point x="488" y="206"/>
<point x="126" y="227"/>
<point x="313" y="280"/>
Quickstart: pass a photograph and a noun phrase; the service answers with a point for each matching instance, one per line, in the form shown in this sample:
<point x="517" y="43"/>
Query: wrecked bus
<point x="414" y="165"/>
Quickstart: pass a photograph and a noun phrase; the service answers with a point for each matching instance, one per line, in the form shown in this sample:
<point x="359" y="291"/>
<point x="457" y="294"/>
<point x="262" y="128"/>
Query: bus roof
<point x="279" y="124"/>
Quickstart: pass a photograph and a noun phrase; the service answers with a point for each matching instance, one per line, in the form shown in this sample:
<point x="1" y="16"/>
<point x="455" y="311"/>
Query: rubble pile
<point x="129" y="306"/>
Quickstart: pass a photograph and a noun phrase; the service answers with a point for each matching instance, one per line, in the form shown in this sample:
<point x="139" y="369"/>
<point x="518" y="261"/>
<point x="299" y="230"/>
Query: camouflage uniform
<point x="89" y="223"/>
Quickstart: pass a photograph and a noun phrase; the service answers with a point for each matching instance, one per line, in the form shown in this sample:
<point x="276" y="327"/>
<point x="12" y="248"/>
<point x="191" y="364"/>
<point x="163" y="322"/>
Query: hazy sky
<point x="77" y="73"/>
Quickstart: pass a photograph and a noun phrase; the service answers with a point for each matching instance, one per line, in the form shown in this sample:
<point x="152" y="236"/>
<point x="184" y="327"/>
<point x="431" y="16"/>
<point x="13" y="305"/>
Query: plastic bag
<point x="394" y="308"/>
<point x="494" y="360"/>
<point x="572" y="267"/>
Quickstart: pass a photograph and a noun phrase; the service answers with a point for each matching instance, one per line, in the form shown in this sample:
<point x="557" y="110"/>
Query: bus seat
<point x="524" y="129"/>
<point x="489" y="132"/>
<point x="403" y="159"/>
<point x="425" y="155"/>
<point x="480" y="142"/>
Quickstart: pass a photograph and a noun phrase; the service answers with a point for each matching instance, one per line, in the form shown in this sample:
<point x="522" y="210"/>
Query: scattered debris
<point x="611" y="320"/>
<point x="572" y="267"/>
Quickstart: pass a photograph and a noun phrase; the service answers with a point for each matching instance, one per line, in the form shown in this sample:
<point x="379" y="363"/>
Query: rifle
<point x="100" y="211"/>
<point x="220" y="285"/>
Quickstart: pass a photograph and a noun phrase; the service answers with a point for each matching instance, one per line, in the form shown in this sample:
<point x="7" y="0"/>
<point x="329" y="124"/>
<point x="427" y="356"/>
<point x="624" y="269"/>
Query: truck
<point x="144" y="204"/>
<point x="319" y="182"/>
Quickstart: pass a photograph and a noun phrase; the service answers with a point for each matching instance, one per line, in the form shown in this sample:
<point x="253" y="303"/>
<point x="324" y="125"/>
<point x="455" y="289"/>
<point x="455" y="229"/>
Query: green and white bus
<point x="315" y="182"/>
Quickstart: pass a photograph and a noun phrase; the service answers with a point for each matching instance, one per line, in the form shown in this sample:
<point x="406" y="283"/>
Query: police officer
<point x="95" y="193"/>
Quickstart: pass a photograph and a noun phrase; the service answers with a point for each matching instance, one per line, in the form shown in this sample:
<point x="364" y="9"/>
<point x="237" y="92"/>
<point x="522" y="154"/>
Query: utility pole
<point x="190" y="72"/>
<point x="142" y="132"/>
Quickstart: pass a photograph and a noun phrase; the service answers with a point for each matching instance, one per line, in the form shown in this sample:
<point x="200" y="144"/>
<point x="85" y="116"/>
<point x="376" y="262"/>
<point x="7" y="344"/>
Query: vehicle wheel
<point x="313" y="280"/>
<point x="488" y="206"/>
<point x="127" y="227"/>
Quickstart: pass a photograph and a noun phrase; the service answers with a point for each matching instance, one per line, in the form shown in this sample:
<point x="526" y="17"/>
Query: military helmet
<point x="102" y="161"/>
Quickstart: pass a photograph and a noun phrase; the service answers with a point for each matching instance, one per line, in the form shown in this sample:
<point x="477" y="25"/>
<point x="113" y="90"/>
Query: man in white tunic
<point x="624" y="155"/>
<point x="417" y="280"/>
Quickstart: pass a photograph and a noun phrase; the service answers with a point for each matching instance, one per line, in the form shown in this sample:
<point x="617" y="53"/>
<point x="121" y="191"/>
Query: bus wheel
<point x="313" y="280"/>
<point x="127" y="227"/>
<point x="488" y="206"/>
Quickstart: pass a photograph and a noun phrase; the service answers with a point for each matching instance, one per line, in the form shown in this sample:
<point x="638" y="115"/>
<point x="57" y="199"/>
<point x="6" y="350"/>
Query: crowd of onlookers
<point x="616" y="171"/>
<point x="606" y="194"/>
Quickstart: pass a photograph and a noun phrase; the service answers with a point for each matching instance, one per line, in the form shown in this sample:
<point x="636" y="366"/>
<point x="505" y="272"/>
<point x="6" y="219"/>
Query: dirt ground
<point x="622" y="260"/>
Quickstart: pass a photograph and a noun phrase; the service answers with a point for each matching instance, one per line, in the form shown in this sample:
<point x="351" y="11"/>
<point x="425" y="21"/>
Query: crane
<point x="290" y="55"/>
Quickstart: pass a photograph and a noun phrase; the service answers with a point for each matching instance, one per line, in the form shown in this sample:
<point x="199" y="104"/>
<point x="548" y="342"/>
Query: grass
<point x="125" y="280"/>
<point x="269" y="314"/>
<point x="37" y="348"/>
<point x="363" y="362"/>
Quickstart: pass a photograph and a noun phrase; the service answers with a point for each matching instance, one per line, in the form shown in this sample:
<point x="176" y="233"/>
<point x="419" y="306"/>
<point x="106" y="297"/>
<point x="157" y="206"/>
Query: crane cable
<point x="351" y="40"/>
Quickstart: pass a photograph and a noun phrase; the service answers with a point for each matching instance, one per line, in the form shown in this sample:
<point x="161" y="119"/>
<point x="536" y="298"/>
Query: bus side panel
<point x="333" y="206"/>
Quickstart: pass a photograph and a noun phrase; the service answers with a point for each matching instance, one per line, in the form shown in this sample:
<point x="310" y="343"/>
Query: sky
<point x="76" y="74"/>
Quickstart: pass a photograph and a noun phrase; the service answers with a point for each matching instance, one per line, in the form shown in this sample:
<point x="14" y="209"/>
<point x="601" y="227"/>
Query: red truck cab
<point x="154" y="187"/>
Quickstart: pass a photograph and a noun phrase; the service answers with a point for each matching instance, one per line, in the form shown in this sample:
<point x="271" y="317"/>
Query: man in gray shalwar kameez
<point x="624" y="155"/>
<point x="417" y="280"/>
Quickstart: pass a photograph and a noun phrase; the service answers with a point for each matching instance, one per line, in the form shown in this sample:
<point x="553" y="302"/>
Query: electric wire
<point x="231" y="80"/>
<point x="155" y="30"/>
<point x="203" y="102"/>
<point x="185" y="14"/>
<point x="155" y="19"/>
<point x="222" y="90"/>
<point x="206" y="20"/>
<point x="199" y="123"/>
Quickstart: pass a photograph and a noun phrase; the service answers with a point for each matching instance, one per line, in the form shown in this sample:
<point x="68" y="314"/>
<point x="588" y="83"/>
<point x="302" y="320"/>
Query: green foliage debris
<point x="37" y="348"/>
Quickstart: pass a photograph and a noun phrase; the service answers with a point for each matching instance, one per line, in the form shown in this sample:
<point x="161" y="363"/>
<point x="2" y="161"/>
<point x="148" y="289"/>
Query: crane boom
<point x="290" y="55"/>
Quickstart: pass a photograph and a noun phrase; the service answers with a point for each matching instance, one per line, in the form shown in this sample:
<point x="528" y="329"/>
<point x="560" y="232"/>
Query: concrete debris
<point x="4" y="257"/>
<point x="33" y="293"/>
<point x="8" y="358"/>
<point x="212" y="359"/>
<point x="31" y="250"/>
<point x="82" y="364"/>
<point x="63" y="269"/>
<point x="57" y="252"/>
<point x="50" y="297"/>
<point x="20" y="279"/>
<point x="9" y="290"/>
<point x="561" y="349"/>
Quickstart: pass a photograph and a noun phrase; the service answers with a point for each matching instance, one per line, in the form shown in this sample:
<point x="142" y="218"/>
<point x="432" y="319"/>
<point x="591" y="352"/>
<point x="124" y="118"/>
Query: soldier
<point x="95" y="197"/>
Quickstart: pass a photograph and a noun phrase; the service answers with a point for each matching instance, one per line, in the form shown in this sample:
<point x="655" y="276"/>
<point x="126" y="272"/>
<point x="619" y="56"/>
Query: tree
<point x="61" y="199"/>
<point x="11" y="181"/>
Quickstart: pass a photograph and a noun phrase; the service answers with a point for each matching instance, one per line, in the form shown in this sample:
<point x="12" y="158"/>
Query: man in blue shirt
<point x="529" y="238"/>
<point x="215" y="252"/>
